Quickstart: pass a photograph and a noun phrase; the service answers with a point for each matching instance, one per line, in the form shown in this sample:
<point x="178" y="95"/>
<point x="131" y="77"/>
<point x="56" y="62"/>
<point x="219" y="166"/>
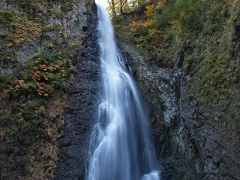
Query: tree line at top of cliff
<point x="119" y="7"/>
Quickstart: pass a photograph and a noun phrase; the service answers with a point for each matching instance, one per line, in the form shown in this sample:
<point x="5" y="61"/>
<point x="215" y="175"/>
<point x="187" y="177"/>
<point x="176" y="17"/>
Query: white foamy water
<point x="120" y="147"/>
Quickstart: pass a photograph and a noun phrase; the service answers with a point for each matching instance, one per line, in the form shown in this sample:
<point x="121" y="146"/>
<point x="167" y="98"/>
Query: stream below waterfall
<point x="120" y="146"/>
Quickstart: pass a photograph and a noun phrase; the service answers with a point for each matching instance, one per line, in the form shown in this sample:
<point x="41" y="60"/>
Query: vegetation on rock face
<point x="204" y="29"/>
<point x="37" y="8"/>
<point x="25" y="30"/>
<point x="33" y="83"/>
<point x="37" y="63"/>
<point x="207" y="31"/>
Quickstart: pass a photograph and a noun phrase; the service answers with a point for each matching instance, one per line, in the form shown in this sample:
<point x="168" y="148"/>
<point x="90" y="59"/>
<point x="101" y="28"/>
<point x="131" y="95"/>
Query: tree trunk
<point x="113" y="7"/>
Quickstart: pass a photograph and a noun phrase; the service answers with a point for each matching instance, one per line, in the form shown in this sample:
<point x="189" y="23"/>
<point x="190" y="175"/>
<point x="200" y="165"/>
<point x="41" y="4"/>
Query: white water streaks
<point x="120" y="147"/>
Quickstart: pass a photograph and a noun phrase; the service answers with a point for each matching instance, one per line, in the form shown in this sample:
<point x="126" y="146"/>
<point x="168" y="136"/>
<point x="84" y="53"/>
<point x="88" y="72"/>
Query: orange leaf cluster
<point x="39" y="73"/>
<point x="40" y="77"/>
<point x="42" y="89"/>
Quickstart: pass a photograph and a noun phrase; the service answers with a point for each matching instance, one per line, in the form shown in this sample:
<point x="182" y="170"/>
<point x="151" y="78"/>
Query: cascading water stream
<point x="120" y="147"/>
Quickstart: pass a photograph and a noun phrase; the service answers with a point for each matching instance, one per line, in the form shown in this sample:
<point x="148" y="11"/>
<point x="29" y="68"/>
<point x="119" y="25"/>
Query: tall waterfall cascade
<point x="120" y="144"/>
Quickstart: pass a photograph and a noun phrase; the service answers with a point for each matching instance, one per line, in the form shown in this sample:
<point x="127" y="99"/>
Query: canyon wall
<point x="48" y="82"/>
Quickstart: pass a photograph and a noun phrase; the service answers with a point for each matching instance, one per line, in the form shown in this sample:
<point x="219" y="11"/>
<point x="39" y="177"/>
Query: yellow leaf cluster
<point x="135" y="26"/>
<point x="149" y="12"/>
<point x="179" y="23"/>
<point x="161" y="3"/>
<point x="19" y="84"/>
<point x="148" y="23"/>
<point x="26" y="30"/>
<point x="138" y="25"/>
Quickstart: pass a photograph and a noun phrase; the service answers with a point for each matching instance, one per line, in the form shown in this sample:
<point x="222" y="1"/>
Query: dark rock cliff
<point x="190" y="81"/>
<point x="189" y="143"/>
<point x="79" y="116"/>
<point x="49" y="84"/>
<point x="49" y="79"/>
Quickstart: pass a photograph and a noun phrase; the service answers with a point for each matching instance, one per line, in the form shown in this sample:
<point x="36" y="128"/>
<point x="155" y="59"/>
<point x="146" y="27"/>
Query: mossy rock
<point x="7" y="16"/>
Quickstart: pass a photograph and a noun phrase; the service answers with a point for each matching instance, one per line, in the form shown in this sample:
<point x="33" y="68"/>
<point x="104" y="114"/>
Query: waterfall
<point x="120" y="144"/>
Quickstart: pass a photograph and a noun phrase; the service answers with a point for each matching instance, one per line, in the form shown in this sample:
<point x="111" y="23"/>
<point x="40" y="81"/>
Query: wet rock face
<point x="157" y="85"/>
<point x="158" y="88"/>
<point x="190" y="145"/>
<point x="79" y="116"/>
